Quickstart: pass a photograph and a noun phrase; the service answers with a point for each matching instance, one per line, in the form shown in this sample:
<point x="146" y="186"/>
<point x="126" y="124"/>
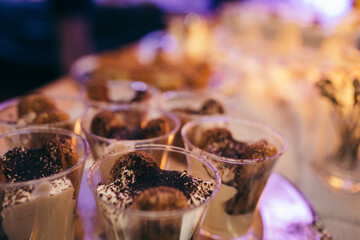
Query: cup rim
<point x="55" y="176"/>
<point x="168" y="114"/>
<point x="153" y="214"/>
<point x="14" y="101"/>
<point x="154" y="92"/>
<point x="170" y="95"/>
<point x="245" y="122"/>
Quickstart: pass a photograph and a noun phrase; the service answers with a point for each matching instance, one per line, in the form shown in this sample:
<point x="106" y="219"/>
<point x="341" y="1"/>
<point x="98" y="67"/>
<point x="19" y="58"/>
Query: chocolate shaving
<point x="23" y="164"/>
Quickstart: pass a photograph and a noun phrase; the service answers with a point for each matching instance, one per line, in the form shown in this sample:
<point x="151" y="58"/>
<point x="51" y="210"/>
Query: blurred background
<point x="40" y="39"/>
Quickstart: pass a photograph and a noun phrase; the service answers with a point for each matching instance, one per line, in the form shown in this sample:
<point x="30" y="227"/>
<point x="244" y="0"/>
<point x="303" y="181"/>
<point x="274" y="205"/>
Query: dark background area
<point x="40" y="40"/>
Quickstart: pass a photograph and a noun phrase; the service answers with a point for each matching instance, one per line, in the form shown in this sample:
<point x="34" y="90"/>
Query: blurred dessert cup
<point x="111" y="128"/>
<point x="140" y="196"/>
<point x="190" y="105"/>
<point x="338" y="152"/>
<point x="244" y="152"/>
<point x="41" y="171"/>
<point x="102" y="93"/>
<point x="55" y="111"/>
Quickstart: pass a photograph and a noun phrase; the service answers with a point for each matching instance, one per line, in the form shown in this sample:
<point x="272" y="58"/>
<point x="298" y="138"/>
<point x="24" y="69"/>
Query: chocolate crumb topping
<point x="102" y="123"/>
<point x="126" y="132"/>
<point x="34" y="103"/>
<point x="110" y="125"/>
<point x="214" y="135"/>
<point x="61" y="151"/>
<point x="259" y="150"/>
<point x="209" y="107"/>
<point x="179" y="180"/>
<point x="140" y="162"/>
<point x="39" y="109"/>
<point x="156" y="127"/>
<point x="219" y="141"/>
<point x="212" y="106"/>
<point x="51" y="116"/>
<point x="135" y="172"/>
<point x="23" y="164"/>
<point x="228" y="148"/>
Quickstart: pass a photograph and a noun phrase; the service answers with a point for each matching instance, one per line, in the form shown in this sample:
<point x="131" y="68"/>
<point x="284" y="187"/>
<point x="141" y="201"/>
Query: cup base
<point x="335" y="176"/>
<point x="254" y="233"/>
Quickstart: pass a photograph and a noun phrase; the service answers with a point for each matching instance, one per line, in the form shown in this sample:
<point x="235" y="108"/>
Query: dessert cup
<point x="339" y="162"/>
<point x="130" y="223"/>
<point x="194" y="100"/>
<point x="131" y="114"/>
<point x="73" y="106"/>
<point x="231" y="214"/>
<point x="42" y="208"/>
<point x="338" y="153"/>
<point x="102" y="93"/>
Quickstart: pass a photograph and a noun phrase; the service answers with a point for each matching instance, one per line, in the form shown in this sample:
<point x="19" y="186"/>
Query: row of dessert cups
<point x="45" y="212"/>
<point x="76" y="106"/>
<point x="130" y="223"/>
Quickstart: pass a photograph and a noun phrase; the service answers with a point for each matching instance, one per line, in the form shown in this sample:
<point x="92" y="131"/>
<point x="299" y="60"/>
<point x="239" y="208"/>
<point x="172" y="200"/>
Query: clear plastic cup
<point x="130" y="114"/>
<point x="231" y="214"/>
<point x="174" y="101"/>
<point x="102" y="93"/>
<point x="73" y="106"/>
<point x="194" y="100"/>
<point x="42" y="208"/>
<point x="121" y="223"/>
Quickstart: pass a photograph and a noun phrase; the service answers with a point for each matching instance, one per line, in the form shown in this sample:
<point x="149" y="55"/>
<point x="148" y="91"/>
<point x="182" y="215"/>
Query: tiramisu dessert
<point x="39" y="109"/>
<point x="130" y="62"/>
<point x="244" y="168"/>
<point x="45" y="209"/>
<point x="110" y="124"/>
<point x="186" y="113"/>
<point x="208" y="107"/>
<point x="111" y="129"/>
<point x="118" y="91"/>
<point x="137" y="183"/>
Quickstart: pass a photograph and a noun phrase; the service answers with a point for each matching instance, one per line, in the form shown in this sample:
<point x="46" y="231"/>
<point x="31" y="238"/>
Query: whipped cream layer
<point x="45" y="211"/>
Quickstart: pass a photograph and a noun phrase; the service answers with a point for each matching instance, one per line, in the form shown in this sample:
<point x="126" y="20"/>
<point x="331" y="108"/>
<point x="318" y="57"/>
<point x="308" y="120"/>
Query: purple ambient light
<point x="285" y="212"/>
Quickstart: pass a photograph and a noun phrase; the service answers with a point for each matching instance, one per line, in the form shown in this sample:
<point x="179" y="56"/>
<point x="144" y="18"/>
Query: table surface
<point x="340" y="211"/>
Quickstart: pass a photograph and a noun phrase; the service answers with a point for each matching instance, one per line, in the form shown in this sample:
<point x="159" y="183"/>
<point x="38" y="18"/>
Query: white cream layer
<point x="218" y="222"/>
<point x="45" y="211"/>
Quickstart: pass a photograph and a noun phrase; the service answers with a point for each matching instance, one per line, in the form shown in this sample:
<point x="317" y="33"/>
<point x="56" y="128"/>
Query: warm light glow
<point x="77" y="126"/>
<point x="339" y="183"/>
<point x="198" y="39"/>
<point x="163" y="161"/>
<point x="77" y="130"/>
<point x="165" y="154"/>
<point x="332" y="8"/>
<point x="170" y="139"/>
<point x="336" y="182"/>
<point x="35" y="232"/>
